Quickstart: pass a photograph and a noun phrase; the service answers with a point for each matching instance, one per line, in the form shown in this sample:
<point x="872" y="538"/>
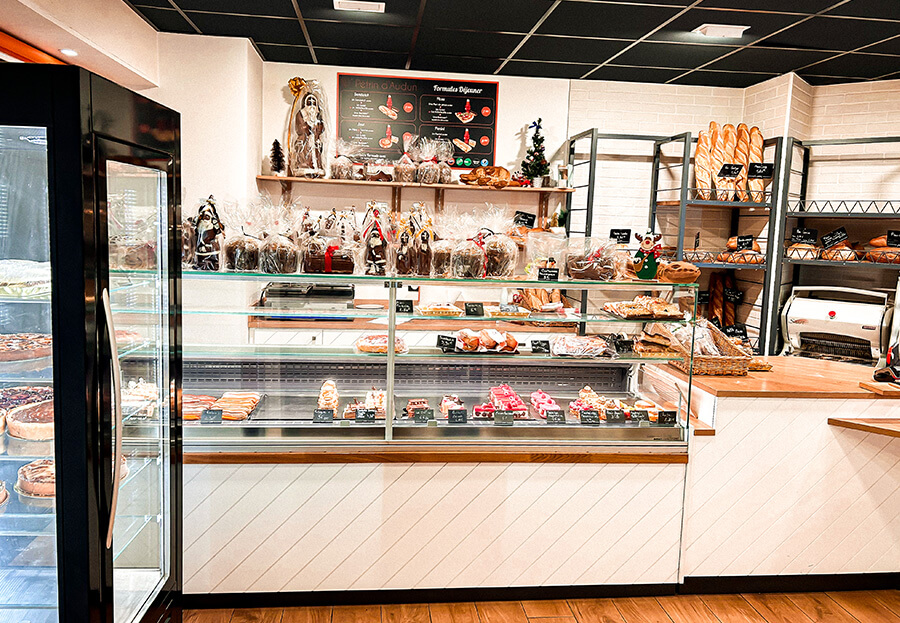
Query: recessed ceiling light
<point x="721" y="31"/>
<point x="68" y="52"/>
<point x="359" y="5"/>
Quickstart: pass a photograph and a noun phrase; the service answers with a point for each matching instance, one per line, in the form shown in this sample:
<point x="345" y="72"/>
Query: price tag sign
<point x="211" y="416"/>
<point x="834" y="237"/>
<point x="474" y="309"/>
<point x="744" y="243"/>
<point x="365" y="415"/>
<point x="421" y="416"/>
<point x="893" y="238"/>
<point x="590" y="417"/>
<point x="504" y="418"/>
<point x="702" y="297"/>
<point x="640" y="415"/>
<point x="447" y="343"/>
<point x="615" y="416"/>
<point x="667" y="418"/>
<point x="804" y="235"/>
<point x="509" y="309"/>
<point x="548" y="274"/>
<point x="697" y="241"/>
<point x="540" y="346"/>
<point x="621" y="236"/>
<point x="761" y="170"/>
<point x="733" y="295"/>
<point x="323" y="416"/>
<point x="404" y="307"/>
<point x="556" y="417"/>
<point x="735" y="330"/>
<point x="624" y="346"/>
<point x="457" y="416"/>
<point x="716" y="322"/>
<point x="730" y="170"/>
<point x="524" y="219"/>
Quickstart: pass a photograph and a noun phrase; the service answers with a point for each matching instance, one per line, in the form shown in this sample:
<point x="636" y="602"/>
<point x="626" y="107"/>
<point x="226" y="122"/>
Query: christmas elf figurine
<point x="645" y="260"/>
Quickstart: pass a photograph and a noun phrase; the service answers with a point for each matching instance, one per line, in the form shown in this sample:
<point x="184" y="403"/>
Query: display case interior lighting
<point x="68" y="52"/>
<point x="721" y="31"/>
<point x="359" y="5"/>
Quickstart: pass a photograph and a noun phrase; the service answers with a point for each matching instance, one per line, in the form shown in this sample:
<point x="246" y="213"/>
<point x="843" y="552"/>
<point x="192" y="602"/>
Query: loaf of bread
<point x="803" y="251"/>
<point x="884" y="255"/>
<point x="757" y="186"/>
<point x="702" y="167"/>
<point x="716" y="297"/>
<point x="742" y="157"/>
<point x="716" y="154"/>
<point x="728" y="309"/>
<point x="729" y="144"/>
<point x="840" y="254"/>
<point x="678" y="272"/>
<point x="732" y="244"/>
<point x="880" y="241"/>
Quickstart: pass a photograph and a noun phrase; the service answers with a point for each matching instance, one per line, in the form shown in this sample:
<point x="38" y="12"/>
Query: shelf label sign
<point x="457" y="416"/>
<point x="737" y="329"/>
<point x="893" y="238"/>
<point x="834" y="237"/>
<point x="761" y="171"/>
<point x="211" y="416"/>
<point x="623" y="346"/>
<point x="703" y="297"/>
<point x="421" y="416"/>
<point x="640" y="415"/>
<point x="504" y="418"/>
<point x="404" y="307"/>
<point x="540" y="346"/>
<point x="667" y="418"/>
<point x="590" y="417"/>
<point x="804" y="235"/>
<point x="548" y="274"/>
<point x="621" y="236"/>
<point x="474" y="309"/>
<point x="524" y="219"/>
<point x="509" y="309"/>
<point x="744" y="243"/>
<point x="733" y="295"/>
<point x="447" y="343"/>
<point x="615" y="416"/>
<point x="365" y="415"/>
<point x="555" y="416"/>
<point x="730" y="170"/>
<point x="323" y="416"/>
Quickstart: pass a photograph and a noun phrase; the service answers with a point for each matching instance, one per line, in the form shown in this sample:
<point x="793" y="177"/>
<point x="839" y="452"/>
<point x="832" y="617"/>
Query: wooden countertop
<point x="791" y="377"/>
<point x="889" y="427"/>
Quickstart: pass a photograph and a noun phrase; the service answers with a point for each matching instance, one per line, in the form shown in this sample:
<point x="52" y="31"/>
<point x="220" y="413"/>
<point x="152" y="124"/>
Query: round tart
<point x="20" y="346"/>
<point x="33" y="422"/>
<point x="37" y="479"/>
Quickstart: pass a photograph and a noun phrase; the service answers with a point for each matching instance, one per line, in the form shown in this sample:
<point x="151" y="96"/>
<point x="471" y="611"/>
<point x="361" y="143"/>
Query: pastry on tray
<point x="440" y="309"/>
<point x="12" y="397"/>
<point x="542" y="402"/>
<point x="379" y="344"/>
<point x="193" y="406"/>
<point x="580" y="346"/>
<point x="33" y="422"/>
<point x="732" y="245"/>
<point x="486" y="340"/>
<point x="741" y="257"/>
<point x="840" y="254"/>
<point x="237" y="405"/>
<point x="413" y="404"/>
<point x="451" y="401"/>
<point x="22" y="346"/>
<point x="678" y="272"/>
<point x="37" y="479"/>
<point x="328" y="396"/>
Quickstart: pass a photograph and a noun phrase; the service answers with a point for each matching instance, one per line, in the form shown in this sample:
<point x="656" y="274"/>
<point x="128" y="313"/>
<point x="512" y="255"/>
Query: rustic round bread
<point x="678" y="272"/>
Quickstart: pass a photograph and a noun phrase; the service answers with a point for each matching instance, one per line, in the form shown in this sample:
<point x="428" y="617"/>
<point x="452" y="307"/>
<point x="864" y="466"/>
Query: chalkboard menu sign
<point x="375" y="112"/>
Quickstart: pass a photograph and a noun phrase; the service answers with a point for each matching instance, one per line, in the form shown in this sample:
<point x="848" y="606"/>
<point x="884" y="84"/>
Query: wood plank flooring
<point x="837" y="607"/>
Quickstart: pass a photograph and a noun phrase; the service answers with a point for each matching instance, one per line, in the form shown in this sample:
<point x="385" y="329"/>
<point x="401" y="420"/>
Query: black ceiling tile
<point x="398" y="12"/>
<point x="260" y="29"/>
<point x="769" y="60"/>
<point x="671" y="54"/>
<point x="356" y="58"/>
<point x="360" y="36"/>
<point x="856" y="66"/>
<point x="678" y="3"/>
<point x="888" y="47"/>
<point x="496" y="15"/>
<point x="722" y="79"/>
<point x="571" y="49"/>
<point x="761" y="24"/>
<point x="805" y="6"/>
<point x="466" y="43"/>
<point x="455" y="64"/>
<point x="285" y="53"/>
<point x="281" y="8"/>
<point x="166" y="20"/>
<point x="837" y="33"/>
<point x="818" y="81"/>
<point x="160" y="4"/>
<point x="544" y="70"/>
<point x="634" y="74"/>
<point x="594" y="19"/>
<point x="884" y="9"/>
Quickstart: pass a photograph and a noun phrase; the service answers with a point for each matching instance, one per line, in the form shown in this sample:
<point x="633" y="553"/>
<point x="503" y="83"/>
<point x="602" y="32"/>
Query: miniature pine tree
<point x="276" y="158"/>
<point x="535" y="164"/>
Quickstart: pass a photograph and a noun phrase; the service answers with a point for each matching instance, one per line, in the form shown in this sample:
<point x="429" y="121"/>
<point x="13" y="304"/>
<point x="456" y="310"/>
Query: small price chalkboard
<point x="548" y="274"/>
<point x="474" y="309"/>
<point x="211" y="416"/>
<point x="615" y="416"/>
<point x="761" y="171"/>
<point x="640" y="415"/>
<point x="735" y="330"/>
<point x="447" y="343"/>
<point x="404" y="307"/>
<point x="623" y="346"/>
<point x="730" y="170"/>
<point x="667" y="418"/>
<point x="504" y="418"/>
<point x="365" y="415"/>
<point x="702" y="297"/>
<point x="716" y="322"/>
<point x="621" y="236"/>
<point x="744" y="243"/>
<point x="834" y="237"/>
<point x="893" y="238"/>
<point x="524" y="218"/>
<point x="556" y="416"/>
<point x="509" y="309"/>
<point x="323" y="416"/>
<point x="697" y="241"/>
<point x="733" y="295"/>
<point x="804" y="235"/>
<point x="422" y="416"/>
<point x="540" y="346"/>
<point x="457" y="416"/>
<point x="590" y="417"/>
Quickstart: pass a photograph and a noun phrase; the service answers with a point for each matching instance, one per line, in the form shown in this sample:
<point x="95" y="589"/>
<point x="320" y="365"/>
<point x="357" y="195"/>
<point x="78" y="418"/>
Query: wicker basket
<point x="735" y="363"/>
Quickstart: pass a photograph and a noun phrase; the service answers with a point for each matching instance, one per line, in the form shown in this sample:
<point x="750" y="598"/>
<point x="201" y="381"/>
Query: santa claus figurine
<point x="306" y="129"/>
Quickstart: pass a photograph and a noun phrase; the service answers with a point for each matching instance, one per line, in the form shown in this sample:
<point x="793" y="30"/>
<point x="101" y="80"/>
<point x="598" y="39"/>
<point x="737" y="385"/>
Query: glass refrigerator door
<point x="28" y="578"/>
<point x="136" y="220"/>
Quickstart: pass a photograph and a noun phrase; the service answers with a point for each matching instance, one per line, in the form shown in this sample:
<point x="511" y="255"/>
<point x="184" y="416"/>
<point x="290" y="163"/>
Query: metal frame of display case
<point x="796" y="205"/>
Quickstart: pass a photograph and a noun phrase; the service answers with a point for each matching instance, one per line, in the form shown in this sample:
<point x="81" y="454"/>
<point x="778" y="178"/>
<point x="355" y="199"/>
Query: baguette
<point x="742" y="157"/>
<point x="880" y="241"/>
<point x="716" y="154"/>
<point x="716" y="297"/>
<point x="756" y="186"/>
<point x="729" y="144"/>
<point x="728" y="308"/>
<point x="702" y="167"/>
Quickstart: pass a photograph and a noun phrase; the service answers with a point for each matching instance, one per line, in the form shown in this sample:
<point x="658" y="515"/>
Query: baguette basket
<point x="735" y="363"/>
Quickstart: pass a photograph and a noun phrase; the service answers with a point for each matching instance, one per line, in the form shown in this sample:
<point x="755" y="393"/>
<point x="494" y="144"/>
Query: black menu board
<point x="375" y="112"/>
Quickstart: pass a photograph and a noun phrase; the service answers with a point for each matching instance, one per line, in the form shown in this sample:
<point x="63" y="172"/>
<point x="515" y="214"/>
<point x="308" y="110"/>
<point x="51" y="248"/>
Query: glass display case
<point x="310" y="355"/>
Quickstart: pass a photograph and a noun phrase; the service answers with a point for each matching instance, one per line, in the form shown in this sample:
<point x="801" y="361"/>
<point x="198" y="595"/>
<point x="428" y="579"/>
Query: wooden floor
<point x="844" y="607"/>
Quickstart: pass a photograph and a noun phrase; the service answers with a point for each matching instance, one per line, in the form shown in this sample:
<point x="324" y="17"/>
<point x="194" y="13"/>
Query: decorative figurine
<point x="645" y="260"/>
<point x="306" y="129"/>
<point x="208" y="230"/>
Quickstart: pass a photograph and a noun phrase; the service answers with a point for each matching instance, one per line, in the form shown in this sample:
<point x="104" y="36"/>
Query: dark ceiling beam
<point x="415" y="35"/>
<point x="312" y="51"/>
<point x="186" y="18"/>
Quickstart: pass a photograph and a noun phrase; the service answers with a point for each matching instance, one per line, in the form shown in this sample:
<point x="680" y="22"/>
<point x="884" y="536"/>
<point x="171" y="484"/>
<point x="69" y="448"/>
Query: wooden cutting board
<point x="882" y="389"/>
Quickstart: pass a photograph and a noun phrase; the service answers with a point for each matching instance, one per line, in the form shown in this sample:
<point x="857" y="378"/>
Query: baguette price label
<point x="540" y="346"/>
<point x="423" y="415"/>
<point x="556" y="416"/>
<point x="323" y="416"/>
<point x="590" y="417"/>
<point x="621" y="236"/>
<point x="761" y="171"/>
<point x="211" y="416"/>
<point x="474" y="309"/>
<point x="893" y="238"/>
<point x="804" y="235"/>
<point x="735" y="330"/>
<point x="404" y="307"/>
<point x="730" y="170"/>
<point x="744" y="243"/>
<point x="732" y="295"/>
<point x="525" y="219"/>
<point x="615" y="416"/>
<point x="365" y="415"/>
<point x="457" y="416"/>
<point x="834" y="237"/>
<point x="509" y="309"/>
<point x="623" y="346"/>
<point x="504" y="418"/>
<point x="548" y="274"/>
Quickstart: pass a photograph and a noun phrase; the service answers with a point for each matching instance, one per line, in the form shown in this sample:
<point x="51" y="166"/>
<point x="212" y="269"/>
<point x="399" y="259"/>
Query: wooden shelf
<point x="889" y="427"/>
<point x="306" y="180"/>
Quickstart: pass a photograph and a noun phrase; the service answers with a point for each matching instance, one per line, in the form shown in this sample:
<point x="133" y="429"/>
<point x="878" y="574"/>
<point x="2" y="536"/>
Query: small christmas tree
<point x="535" y="164"/>
<point x="276" y="158"/>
